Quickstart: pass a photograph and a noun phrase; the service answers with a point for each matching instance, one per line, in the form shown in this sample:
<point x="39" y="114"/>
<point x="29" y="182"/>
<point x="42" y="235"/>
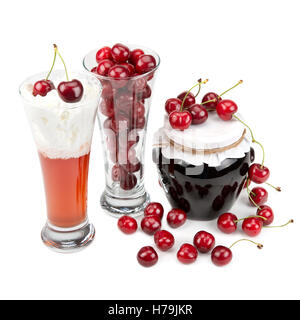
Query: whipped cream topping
<point x="62" y="130"/>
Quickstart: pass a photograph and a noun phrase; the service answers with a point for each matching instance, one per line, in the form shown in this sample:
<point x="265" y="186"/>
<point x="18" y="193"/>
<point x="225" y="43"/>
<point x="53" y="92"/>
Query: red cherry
<point x="127" y="180"/>
<point x="103" y="53"/>
<point x="134" y="55"/>
<point x="147" y="256"/>
<point x="120" y="53"/>
<point x="258" y="173"/>
<point x="266" y="212"/>
<point x="127" y="224"/>
<point x="151" y="224"/>
<point x="164" y="240"/>
<point x="227" y="222"/>
<point x="252" y="226"/>
<point x="225" y="109"/>
<point x="42" y="87"/>
<point x="133" y="166"/>
<point x="176" y="218"/>
<point x="212" y="104"/>
<point x="154" y="208"/>
<point x="259" y="195"/>
<point x="145" y="63"/>
<point x="119" y="73"/>
<point x="173" y="104"/>
<point x="204" y="241"/>
<point x="146" y="93"/>
<point x="190" y="99"/>
<point x="187" y="253"/>
<point x="180" y="120"/>
<point x="221" y="256"/>
<point x="70" y="91"/>
<point x="115" y="173"/>
<point x="104" y="66"/>
<point x="199" y="114"/>
<point x="129" y="67"/>
<point x="107" y="107"/>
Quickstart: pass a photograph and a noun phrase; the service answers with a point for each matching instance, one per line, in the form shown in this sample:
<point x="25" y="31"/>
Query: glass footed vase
<point x="122" y="115"/>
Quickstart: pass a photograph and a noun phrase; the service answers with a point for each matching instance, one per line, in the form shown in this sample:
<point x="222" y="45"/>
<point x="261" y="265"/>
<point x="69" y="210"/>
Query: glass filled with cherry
<point x="126" y="74"/>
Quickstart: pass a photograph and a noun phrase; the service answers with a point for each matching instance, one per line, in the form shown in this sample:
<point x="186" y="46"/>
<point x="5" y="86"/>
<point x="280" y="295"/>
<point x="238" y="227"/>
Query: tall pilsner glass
<point x="63" y="133"/>
<point x="123" y="114"/>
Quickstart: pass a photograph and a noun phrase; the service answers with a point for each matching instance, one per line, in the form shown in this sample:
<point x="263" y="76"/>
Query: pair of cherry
<point x="69" y="91"/>
<point x="184" y="111"/>
<point x="120" y="63"/>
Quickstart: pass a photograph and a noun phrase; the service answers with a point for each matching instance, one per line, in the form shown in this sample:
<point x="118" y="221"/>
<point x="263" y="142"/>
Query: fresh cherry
<point x="258" y="173"/>
<point x="129" y="67"/>
<point x="266" y="212"/>
<point x="252" y="226"/>
<point x="225" y="109"/>
<point x="164" y="240"/>
<point x="70" y="91"/>
<point x="147" y="256"/>
<point x="103" y="54"/>
<point x="134" y="55"/>
<point x="176" y="218"/>
<point x="212" y="105"/>
<point x="145" y="63"/>
<point x="221" y="256"/>
<point x="173" y="104"/>
<point x="42" y="87"/>
<point x="120" y="53"/>
<point x="187" y="253"/>
<point x="104" y="66"/>
<point x="119" y="73"/>
<point x="115" y="173"/>
<point x="154" y="208"/>
<point x="189" y="100"/>
<point x="127" y="224"/>
<point x="107" y="107"/>
<point x="227" y="223"/>
<point x="180" y="120"/>
<point x="259" y="195"/>
<point x="199" y="113"/>
<point x="204" y="241"/>
<point x="127" y="180"/>
<point x="151" y="224"/>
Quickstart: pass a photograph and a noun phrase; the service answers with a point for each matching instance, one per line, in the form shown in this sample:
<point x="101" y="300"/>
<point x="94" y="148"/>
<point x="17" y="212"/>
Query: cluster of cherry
<point x="125" y="77"/>
<point x="184" y="111"/>
<point x="70" y="91"/>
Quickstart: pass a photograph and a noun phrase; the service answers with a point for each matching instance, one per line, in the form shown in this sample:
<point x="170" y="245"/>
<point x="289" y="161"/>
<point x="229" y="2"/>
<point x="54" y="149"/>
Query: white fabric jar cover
<point x="196" y="144"/>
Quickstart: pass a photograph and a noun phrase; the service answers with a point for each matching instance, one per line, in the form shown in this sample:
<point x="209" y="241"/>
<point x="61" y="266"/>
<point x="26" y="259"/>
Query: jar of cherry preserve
<point x="203" y="169"/>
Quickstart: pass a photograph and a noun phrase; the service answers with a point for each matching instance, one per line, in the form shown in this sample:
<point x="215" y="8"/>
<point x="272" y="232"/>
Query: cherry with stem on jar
<point x="69" y="91"/>
<point x="42" y="87"/>
<point x="211" y="99"/>
<point x="222" y="255"/>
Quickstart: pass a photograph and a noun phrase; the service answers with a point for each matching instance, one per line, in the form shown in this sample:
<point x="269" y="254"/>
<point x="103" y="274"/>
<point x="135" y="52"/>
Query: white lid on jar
<point x="210" y="142"/>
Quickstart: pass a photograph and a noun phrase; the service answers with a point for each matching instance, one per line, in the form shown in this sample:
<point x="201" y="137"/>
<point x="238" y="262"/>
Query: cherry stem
<point x="253" y="139"/>
<point x="259" y="245"/>
<point x="201" y="104"/>
<point x="236" y="221"/>
<point x="62" y="60"/>
<point x="48" y="75"/>
<point x="249" y="194"/>
<point x="198" y="84"/>
<point x="199" y="88"/>
<point x="241" y="81"/>
<point x="276" y="188"/>
<point x="290" y="221"/>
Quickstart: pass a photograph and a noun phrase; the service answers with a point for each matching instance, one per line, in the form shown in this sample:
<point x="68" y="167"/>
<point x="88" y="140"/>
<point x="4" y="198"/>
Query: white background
<point x="257" y="41"/>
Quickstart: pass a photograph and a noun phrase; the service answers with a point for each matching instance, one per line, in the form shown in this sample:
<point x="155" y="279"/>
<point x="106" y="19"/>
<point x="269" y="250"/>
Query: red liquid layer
<point x="66" y="182"/>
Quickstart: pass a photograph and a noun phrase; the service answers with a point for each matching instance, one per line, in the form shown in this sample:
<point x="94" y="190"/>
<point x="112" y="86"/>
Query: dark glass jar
<point x="204" y="192"/>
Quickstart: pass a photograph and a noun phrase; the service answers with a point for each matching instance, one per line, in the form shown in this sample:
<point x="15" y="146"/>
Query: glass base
<point x="68" y="240"/>
<point x="117" y="207"/>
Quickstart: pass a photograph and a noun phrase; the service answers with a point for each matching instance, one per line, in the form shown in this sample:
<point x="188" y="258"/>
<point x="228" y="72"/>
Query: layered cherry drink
<point x="126" y="75"/>
<point x="62" y="127"/>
